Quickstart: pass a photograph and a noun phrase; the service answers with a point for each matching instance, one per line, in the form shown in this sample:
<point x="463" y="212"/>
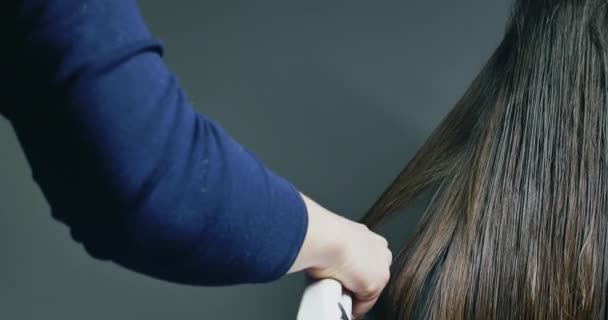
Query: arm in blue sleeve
<point x="140" y="177"/>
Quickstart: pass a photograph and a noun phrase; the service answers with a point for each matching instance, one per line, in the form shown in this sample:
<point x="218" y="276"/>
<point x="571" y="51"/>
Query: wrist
<point x="322" y="245"/>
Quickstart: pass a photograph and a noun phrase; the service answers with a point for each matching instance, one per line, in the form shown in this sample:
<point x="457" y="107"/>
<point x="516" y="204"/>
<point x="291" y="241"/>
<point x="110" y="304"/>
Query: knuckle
<point x="384" y="241"/>
<point x="386" y="277"/>
<point x="363" y="227"/>
<point x="380" y="240"/>
<point x="372" y="289"/>
<point x="368" y="293"/>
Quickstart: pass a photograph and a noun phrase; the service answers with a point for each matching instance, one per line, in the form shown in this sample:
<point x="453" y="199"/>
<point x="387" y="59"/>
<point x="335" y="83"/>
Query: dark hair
<point x="517" y="227"/>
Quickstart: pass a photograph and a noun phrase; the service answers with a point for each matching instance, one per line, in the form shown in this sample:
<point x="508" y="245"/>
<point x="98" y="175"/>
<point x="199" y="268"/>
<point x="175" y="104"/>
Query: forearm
<point x="126" y="162"/>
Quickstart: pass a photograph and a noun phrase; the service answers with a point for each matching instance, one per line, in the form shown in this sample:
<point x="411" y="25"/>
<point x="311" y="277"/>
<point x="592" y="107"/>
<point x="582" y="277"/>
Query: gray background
<point x="334" y="95"/>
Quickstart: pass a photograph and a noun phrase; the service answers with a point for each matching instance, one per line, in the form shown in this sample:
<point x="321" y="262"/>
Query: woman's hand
<point x="349" y="252"/>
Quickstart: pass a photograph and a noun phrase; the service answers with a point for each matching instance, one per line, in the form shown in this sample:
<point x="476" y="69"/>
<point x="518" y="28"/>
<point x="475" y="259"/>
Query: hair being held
<point x="517" y="228"/>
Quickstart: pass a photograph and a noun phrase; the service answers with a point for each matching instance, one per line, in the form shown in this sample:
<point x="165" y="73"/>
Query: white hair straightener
<point x="325" y="300"/>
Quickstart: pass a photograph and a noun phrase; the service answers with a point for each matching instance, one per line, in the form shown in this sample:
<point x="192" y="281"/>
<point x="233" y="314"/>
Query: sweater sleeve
<point x="124" y="160"/>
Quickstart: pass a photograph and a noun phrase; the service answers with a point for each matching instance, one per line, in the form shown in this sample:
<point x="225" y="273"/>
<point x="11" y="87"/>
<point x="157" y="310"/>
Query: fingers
<point x="383" y="240"/>
<point x="369" y="287"/>
<point x="360" y="308"/>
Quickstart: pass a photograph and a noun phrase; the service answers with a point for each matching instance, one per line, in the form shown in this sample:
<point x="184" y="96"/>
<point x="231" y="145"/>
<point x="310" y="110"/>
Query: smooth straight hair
<point x="517" y="226"/>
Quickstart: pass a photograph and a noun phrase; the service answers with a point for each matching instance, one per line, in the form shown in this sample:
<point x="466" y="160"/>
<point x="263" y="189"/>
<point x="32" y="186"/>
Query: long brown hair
<point x="517" y="227"/>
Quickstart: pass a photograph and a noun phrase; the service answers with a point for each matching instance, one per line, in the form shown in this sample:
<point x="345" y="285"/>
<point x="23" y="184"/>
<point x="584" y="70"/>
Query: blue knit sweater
<point x="124" y="160"/>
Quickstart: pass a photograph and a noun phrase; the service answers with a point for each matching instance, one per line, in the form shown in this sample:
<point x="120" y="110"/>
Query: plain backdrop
<point x="334" y="95"/>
